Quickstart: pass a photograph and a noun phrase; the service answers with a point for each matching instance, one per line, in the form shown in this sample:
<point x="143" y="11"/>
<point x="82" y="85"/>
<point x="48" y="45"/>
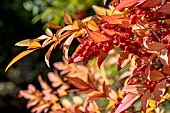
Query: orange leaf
<point x="156" y="46"/>
<point x="166" y="70"/>
<point x="77" y="82"/>
<point x="97" y="37"/>
<point x="18" y="57"/>
<point x="93" y="26"/>
<point x="124" y="59"/>
<point x="91" y="82"/>
<point x="110" y="32"/>
<point x="67" y="18"/>
<point x="34" y="45"/>
<point x="105" y="89"/>
<point x="99" y="10"/>
<point x="165" y="8"/>
<point x="159" y="91"/>
<point x="156" y="75"/>
<point x="97" y="96"/>
<point x="53" y="25"/>
<point x="128" y="3"/>
<point x="145" y="100"/>
<point x="151" y="3"/>
<point x="75" y="25"/>
<point x="47" y="55"/>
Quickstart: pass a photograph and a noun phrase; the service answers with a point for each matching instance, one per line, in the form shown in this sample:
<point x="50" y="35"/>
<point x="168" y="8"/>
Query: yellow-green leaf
<point x="18" y="57"/>
<point x="25" y="42"/>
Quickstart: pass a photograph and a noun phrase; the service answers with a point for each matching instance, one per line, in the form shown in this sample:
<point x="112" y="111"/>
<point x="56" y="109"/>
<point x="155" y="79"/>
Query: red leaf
<point x="124" y="59"/>
<point x="101" y="58"/>
<point x="151" y="3"/>
<point x="159" y="91"/>
<point x="110" y="32"/>
<point x="97" y="96"/>
<point x="128" y="3"/>
<point x="137" y="88"/>
<point x="165" y="8"/>
<point x="156" y="46"/>
<point x="156" y="75"/>
<point x="105" y="89"/>
<point x="127" y="101"/>
<point x="145" y="100"/>
<point x="77" y="82"/>
<point x="91" y="82"/>
<point x="97" y="37"/>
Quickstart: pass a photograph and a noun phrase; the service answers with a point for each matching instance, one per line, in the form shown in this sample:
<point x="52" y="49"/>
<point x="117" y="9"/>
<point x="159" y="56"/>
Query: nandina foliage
<point x="140" y="28"/>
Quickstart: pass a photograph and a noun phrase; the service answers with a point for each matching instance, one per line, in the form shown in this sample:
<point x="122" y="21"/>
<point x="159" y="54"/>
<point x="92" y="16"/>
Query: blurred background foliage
<point x="22" y="19"/>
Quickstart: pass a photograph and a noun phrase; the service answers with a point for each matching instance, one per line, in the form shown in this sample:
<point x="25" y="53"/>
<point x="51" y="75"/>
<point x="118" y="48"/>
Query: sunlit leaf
<point x="49" y="32"/>
<point x="99" y="10"/>
<point x="26" y="42"/>
<point x="53" y="25"/>
<point x="156" y="46"/>
<point x="92" y="26"/>
<point x="101" y="58"/>
<point x="47" y="55"/>
<point x="165" y="8"/>
<point x="18" y="57"/>
<point x="145" y="100"/>
<point x="67" y="18"/>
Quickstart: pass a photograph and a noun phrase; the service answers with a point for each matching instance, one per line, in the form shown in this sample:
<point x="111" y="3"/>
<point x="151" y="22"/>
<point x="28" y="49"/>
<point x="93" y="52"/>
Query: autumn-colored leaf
<point x="40" y="107"/>
<point x="136" y="88"/>
<point x="99" y="10"/>
<point x="49" y="32"/>
<point x="66" y="45"/>
<point x="18" y="57"/>
<point x="159" y="91"/>
<point x="75" y="25"/>
<point x="53" y="25"/>
<point x="44" y="85"/>
<point x="124" y="59"/>
<point x="127" y="101"/>
<point x="110" y="32"/>
<point x="128" y="3"/>
<point x="165" y="8"/>
<point x="67" y="18"/>
<point x="97" y="96"/>
<point x="91" y="82"/>
<point x="145" y="100"/>
<point x="101" y="58"/>
<point x="156" y="75"/>
<point x="25" y="42"/>
<point x="151" y="3"/>
<point x="47" y="55"/>
<point x="156" y="46"/>
<point x="166" y="70"/>
<point x="32" y="103"/>
<point x="105" y="89"/>
<point x="97" y="37"/>
<point x="26" y="94"/>
<point x="77" y="82"/>
<point x="92" y="25"/>
<point x="34" y="45"/>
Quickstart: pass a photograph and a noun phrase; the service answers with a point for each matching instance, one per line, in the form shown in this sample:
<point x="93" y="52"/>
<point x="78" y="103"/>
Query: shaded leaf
<point x="156" y="75"/>
<point x="127" y="101"/>
<point x="166" y="70"/>
<point x="26" y="42"/>
<point x="32" y="103"/>
<point x="77" y="82"/>
<point x="67" y="18"/>
<point x="92" y="25"/>
<point x="40" y="107"/>
<point x="18" y="57"/>
<point x="101" y="58"/>
<point x="105" y="89"/>
<point x="145" y="100"/>
<point x="95" y="36"/>
<point x="159" y="91"/>
<point x="165" y="8"/>
<point x="156" y="46"/>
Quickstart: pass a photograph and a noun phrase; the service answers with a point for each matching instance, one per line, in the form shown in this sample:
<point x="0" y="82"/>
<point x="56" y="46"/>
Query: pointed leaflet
<point x="165" y="8"/>
<point x="166" y="70"/>
<point x="67" y="18"/>
<point x="159" y="91"/>
<point x="49" y="32"/>
<point x="34" y="45"/>
<point x="53" y="25"/>
<point x="18" y="57"/>
<point x="95" y="36"/>
<point x="47" y="55"/>
<point x="77" y="82"/>
<point x="128" y="3"/>
<point x="99" y="10"/>
<point x="145" y="100"/>
<point x="136" y="88"/>
<point x="156" y="46"/>
<point x="66" y="45"/>
<point x="92" y="25"/>
<point x="101" y="58"/>
<point x="110" y="32"/>
<point x="105" y="89"/>
<point x="97" y="96"/>
<point x="127" y="101"/>
<point x="156" y="75"/>
<point x="151" y="3"/>
<point x="124" y="59"/>
<point x="25" y="42"/>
